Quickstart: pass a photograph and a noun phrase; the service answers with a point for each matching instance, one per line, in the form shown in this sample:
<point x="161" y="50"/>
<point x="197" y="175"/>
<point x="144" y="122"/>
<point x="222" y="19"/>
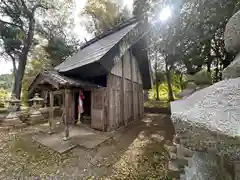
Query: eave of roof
<point x="57" y="81"/>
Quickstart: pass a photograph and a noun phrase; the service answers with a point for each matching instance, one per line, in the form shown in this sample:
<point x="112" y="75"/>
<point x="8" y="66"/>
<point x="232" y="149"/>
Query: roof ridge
<point x="117" y="27"/>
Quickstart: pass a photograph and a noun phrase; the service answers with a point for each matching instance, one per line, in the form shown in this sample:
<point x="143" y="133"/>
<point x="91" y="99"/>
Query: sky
<point x="6" y="67"/>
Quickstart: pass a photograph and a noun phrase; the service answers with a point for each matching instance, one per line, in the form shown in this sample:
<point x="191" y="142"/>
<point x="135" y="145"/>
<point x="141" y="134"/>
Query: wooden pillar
<point x="132" y="71"/>
<point x="51" y="112"/>
<point x="123" y="93"/>
<point x="66" y="116"/>
<point x="45" y="98"/>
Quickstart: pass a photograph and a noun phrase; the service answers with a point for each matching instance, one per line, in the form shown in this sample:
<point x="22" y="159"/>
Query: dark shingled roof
<point x="58" y="80"/>
<point x="96" y="48"/>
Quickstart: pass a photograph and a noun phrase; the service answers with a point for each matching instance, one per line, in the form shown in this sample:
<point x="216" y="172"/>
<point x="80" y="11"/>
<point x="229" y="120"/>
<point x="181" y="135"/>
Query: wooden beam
<point x="51" y="112"/>
<point x="132" y="71"/>
<point x="66" y="116"/>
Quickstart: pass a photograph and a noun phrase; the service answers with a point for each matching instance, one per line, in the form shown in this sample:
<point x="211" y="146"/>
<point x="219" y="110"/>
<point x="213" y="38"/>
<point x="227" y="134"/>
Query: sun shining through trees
<point x="165" y="14"/>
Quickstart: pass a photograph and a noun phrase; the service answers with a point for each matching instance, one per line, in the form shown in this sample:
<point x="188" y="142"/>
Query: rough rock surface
<point x="232" y="35"/>
<point x="205" y="166"/>
<point x="233" y="70"/>
<point x="209" y="119"/>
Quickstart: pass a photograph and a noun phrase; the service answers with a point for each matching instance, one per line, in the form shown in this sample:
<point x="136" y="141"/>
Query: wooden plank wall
<point x="124" y="86"/>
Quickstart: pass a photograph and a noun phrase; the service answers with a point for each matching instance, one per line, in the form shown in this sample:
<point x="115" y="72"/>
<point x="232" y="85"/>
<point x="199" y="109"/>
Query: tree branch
<point x="9" y="23"/>
<point x="40" y="6"/>
<point x="24" y="6"/>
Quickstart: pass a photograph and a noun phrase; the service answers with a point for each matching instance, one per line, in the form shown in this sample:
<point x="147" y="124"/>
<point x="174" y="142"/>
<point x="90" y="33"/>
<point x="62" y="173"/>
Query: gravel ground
<point x="136" y="152"/>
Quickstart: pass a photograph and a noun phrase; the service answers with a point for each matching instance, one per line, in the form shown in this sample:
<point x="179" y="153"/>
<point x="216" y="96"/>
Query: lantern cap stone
<point x="36" y="98"/>
<point x="13" y="99"/>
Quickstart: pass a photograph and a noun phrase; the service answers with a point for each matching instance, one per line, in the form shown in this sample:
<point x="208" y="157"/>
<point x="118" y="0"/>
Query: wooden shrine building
<point x="112" y="70"/>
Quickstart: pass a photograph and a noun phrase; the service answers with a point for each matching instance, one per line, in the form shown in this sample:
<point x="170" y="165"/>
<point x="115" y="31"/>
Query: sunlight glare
<point x="165" y="14"/>
<point x="128" y="4"/>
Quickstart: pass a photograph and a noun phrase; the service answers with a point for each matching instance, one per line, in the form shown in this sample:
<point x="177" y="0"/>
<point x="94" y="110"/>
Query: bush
<point x="3" y="97"/>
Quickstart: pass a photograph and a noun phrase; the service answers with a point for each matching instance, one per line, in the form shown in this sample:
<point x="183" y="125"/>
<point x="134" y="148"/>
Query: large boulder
<point x="232" y="44"/>
<point x="196" y="82"/>
<point x="233" y="70"/>
<point x="232" y="34"/>
<point x="200" y="78"/>
<point x="209" y="119"/>
<point x="206" y="166"/>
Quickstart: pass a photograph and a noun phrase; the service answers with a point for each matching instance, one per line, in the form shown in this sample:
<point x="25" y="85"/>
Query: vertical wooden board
<point x="127" y="65"/>
<point x="117" y="69"/>
<point x="134" y="68"/>
<point x="128" y="101"/>
<point x="136" y="101"/>
<point x="97" y="119"/>
<point x="119" y="119"/>
<point x="141" y="101"/>
<point x="98" y="109"/>
<point x="115" y="119"/>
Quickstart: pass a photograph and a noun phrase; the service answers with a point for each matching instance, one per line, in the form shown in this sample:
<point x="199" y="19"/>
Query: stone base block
<point x="237" y="170"/>
<point x="174" y="169"/>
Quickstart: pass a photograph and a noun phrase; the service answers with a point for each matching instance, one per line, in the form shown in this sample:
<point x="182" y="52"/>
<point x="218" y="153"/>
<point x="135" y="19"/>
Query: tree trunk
<point x="157" y="90"/>
<point x="209" y="67"/>
<point x="217" y="71"/>
<point x="23" y="59"/>
<point x="181" y="81"/>
<point x="169" y="82"/>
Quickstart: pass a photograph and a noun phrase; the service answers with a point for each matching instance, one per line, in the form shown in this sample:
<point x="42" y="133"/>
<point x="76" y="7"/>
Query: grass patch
<point x="156" y="104"/>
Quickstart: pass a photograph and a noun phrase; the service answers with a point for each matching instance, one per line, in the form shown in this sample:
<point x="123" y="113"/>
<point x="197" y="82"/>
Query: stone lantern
<point x="35" y="114"/>
<point x="37" y="101"/>
<point x="13" y="116"/>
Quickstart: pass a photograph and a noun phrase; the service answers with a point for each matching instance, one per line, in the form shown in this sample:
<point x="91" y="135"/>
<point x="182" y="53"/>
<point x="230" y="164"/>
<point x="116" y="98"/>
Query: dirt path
<point x="134" y="153"/>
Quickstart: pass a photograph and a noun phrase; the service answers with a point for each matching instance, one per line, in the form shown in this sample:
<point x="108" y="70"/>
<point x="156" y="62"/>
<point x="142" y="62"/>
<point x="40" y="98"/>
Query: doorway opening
<point x="86" y="115"/>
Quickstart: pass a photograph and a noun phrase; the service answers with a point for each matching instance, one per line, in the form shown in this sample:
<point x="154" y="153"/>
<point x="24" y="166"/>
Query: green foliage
<point x="163" y="91"/>
<point x="21" y="21"/>
<point x="105" y="14"/>
<point x="3" y="97"/>
<point x="156" y="104"/>
<point x="163" y="88"/>
<point x="6" y="81"/>
<point x="57" y="50"/>
<point x="194" y="33"/>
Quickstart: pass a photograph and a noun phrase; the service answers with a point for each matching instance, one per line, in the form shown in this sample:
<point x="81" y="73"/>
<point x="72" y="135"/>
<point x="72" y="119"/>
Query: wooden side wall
<point x="125" y="93"/>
